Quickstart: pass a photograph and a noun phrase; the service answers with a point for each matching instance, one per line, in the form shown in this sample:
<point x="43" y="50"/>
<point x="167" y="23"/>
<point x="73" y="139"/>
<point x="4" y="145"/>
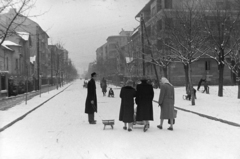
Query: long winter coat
<point x="104" y="85"/>
<point x="166" y="101"/>
<point x="127" y="95"/>
<point x="91" y="95"/>
<point x="144" y="99"/>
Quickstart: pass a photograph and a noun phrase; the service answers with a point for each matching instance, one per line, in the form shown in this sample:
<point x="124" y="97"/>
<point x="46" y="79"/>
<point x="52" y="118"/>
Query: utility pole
<point x="149" y="44"/>
<point x="38" y="62"/>
<point x="142" y="40"/>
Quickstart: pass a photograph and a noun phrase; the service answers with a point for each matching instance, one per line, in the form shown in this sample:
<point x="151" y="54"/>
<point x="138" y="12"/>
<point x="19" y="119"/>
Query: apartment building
<point x="156" y="21"/>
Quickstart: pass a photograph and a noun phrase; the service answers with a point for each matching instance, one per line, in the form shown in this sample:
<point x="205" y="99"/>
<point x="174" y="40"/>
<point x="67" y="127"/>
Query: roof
<point x="24" y="35"/>
<point x="7" y="43"/>
<point x="145" y="8"/>
<point x="117" y="36"/>
<point x="135" y="31"/>
<point x="6" y="47"/>
<point x="10" y="43"/>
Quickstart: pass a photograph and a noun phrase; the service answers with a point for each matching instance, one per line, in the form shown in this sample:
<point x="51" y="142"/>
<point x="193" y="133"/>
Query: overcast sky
<point x="84" y="25"/>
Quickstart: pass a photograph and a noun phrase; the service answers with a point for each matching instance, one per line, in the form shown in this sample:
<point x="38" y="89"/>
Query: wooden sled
<point x="108" y="122"/>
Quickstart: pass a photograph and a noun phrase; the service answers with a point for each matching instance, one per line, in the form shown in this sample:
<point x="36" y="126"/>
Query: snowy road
<point x="59" y="129"/>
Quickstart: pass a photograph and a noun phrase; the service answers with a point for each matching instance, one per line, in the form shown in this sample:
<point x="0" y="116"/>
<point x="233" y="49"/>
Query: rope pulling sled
<point x="105" y="122"/>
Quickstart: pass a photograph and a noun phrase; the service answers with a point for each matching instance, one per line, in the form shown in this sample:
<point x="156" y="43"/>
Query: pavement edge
<point x="30" y="111"/>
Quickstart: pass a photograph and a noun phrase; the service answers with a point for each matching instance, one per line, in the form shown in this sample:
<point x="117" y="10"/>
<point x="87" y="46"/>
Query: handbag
<point x="174" y="115"/>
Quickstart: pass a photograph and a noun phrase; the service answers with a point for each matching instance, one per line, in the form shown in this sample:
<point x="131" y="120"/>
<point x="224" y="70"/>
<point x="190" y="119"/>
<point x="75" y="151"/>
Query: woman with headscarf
<point x="166" y="102"/>
<point x="127" y="95"/>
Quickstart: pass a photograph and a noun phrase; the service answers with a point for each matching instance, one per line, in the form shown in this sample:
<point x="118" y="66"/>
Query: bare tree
<point x="20" y="10"/>
<point x="222" y="22"/>
<point x="185" y="37"/>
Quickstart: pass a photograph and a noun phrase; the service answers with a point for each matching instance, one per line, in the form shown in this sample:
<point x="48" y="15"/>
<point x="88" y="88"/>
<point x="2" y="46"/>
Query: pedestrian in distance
<point x="189" y="96"/>
<point x="166" y="102"/>
<point x="110" y="93"/>
<point x="103" y="85"/>
<point x="203" y="79"/>
<point x="144" y="99"/>
<point x="206" y="87"/>
<point x="91" y="101"/>
<point x="127" y="95"/>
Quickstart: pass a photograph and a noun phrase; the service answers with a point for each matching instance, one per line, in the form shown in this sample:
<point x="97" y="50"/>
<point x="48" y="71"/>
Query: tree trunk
<point x="238" y="90"/>
<point x="220" y="84"/>
<point x="186" y="68"/>
<point x="165" y="72"/>
<point x="221" y="71"/>
<point x="190" y="84"/>
<point x="238" y="81"/>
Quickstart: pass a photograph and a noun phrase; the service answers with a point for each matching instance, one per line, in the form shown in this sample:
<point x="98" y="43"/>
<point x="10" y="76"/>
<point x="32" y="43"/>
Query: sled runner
<point x="108" y="122"/>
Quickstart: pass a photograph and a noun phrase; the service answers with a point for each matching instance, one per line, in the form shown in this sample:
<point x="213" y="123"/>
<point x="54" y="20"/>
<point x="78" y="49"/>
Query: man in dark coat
<point x="104" y="86"/>
<point x="144" y="99"/>
<point x="127" y="95"/>
<point x="91" y="101"/>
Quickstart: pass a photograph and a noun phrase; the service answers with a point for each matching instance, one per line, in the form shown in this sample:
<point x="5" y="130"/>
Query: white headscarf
<point x="164" y="80"/>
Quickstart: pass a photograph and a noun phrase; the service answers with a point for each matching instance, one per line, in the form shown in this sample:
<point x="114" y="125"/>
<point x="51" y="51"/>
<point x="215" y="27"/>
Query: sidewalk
<point x="225" y="109"/>
<point x="18" y="112"/>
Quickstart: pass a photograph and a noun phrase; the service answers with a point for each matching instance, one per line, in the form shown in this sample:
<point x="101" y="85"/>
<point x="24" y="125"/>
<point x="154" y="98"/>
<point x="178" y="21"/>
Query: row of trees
<point x="197" y="29"/>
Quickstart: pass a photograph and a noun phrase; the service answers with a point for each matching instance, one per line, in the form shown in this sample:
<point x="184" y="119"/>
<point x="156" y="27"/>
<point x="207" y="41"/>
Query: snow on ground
<point x="59" y="129"/>
<point x="226" y="108"/>
<point x="13" y="113"/>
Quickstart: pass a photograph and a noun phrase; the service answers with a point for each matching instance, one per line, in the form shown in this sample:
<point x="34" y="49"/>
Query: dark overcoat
<point x="127" y="95"/>
<point x="91" y="95"/>
<point x="104" y="85"/>
<point x="144" y="99"/>
<point x="166" y="101"/>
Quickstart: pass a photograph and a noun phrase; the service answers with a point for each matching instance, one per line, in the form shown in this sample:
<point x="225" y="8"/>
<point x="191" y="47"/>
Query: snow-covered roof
<point x="7" y="47"/>
<point x="129" y="59"/>
<point x="24" y="35"/>
<point x="33" y="59"/>
<point x="9" y="43"/>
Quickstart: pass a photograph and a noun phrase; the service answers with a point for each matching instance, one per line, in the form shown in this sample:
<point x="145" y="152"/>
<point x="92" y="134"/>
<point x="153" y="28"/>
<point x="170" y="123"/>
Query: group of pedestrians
<point x="143" y="96"/>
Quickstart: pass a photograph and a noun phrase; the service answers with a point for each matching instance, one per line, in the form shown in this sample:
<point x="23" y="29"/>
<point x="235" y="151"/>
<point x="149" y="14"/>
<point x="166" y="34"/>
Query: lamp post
<point x="40" y="83"/>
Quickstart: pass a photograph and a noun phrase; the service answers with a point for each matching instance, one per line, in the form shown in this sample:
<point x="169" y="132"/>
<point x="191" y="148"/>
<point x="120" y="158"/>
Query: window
<point x="3" y="82"/>
<point x="159" y="24"/>
<point x="220" y="5"/>
<point x="148" y="30"/>
<point x="207" y="65"/>
<point x="16" y="64"/>
<point x="168" y="4"/>
<point x="159" y="5"/>
<point x="153" y="11"/>
<point x="30" y="41"/>
<point x="168" y="23"/>
<point x="159" y="44"/>
<point x="7" y="63"/>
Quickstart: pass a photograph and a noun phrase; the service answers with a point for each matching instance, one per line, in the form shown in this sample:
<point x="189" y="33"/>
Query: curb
<point x="24" y="115"/>
<point x="207" y="116"/>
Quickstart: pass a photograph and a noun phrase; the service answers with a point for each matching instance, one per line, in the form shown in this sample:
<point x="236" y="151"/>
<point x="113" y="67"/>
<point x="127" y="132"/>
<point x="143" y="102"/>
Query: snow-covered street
<point x="60" y="129"/>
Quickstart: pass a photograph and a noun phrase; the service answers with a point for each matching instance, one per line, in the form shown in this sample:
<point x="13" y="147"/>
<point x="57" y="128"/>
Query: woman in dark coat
<point x="166" y="102"/>
<point x="91" y="101"/>
<point x="127" y="95"/>
<point x="144" y="99"/>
